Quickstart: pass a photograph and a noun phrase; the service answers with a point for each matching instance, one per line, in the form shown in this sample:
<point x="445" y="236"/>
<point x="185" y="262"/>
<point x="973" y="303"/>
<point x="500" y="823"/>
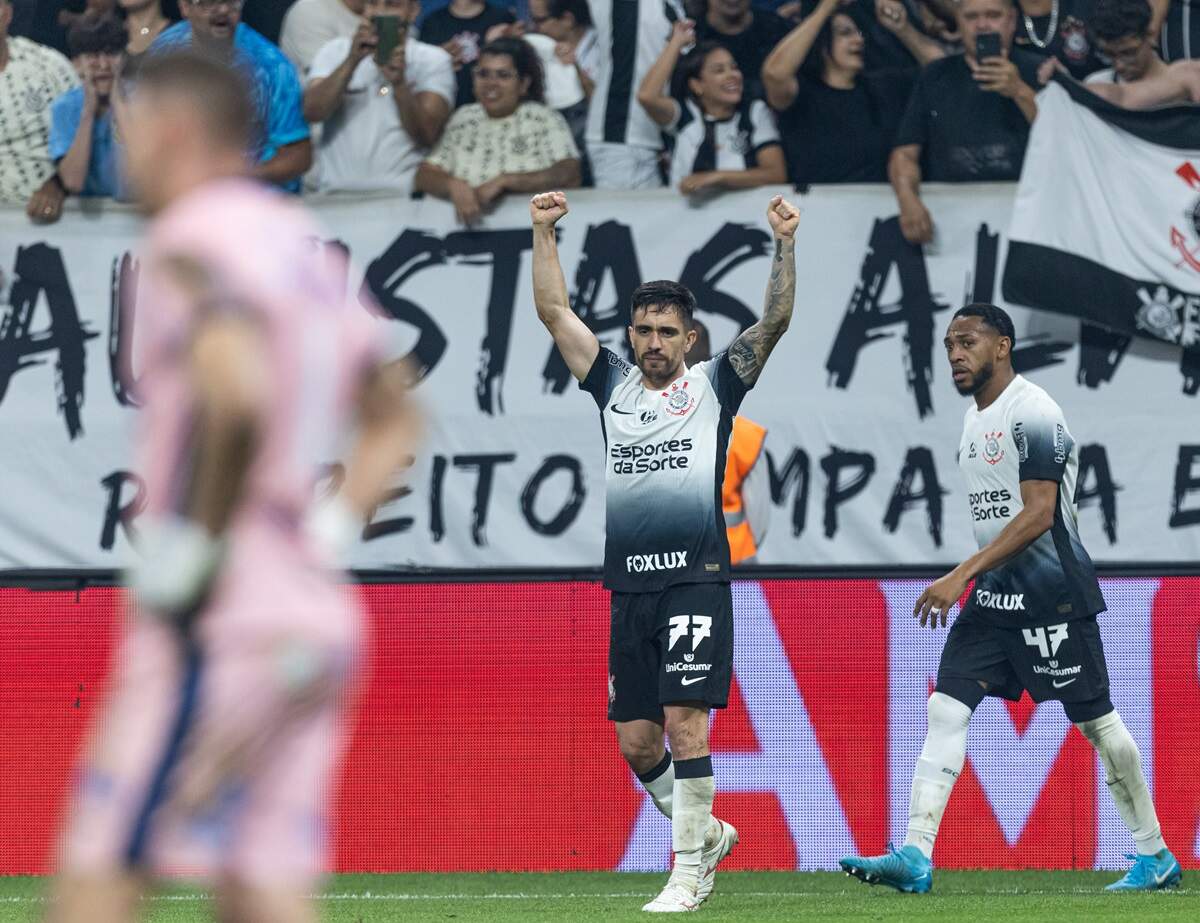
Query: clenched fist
<point x="546" y="208"/>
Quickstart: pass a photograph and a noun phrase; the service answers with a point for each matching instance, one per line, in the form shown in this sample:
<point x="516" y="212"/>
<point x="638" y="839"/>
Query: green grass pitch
<point x="754" y="897"/>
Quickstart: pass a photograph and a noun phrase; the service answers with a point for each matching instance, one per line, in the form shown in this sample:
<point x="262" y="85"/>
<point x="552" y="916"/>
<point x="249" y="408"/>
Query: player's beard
<point x="659" y="374"/>
<point x="978" y="381"/>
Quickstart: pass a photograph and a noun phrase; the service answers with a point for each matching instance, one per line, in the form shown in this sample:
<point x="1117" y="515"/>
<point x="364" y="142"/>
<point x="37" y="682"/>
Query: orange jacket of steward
<point x="745" y="495"/>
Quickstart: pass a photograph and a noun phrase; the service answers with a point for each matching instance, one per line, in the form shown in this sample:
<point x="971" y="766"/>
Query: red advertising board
<point x="479" y="740"/>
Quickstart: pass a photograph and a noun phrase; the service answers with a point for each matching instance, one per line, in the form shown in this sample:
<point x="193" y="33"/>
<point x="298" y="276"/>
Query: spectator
<point x="462" y="28"/>
<point x="284" y="151"/>
<point x="723" y="140"/>
<point x="144" y="21"/>
<point x="92" y="9"/>
<point x="889" y="50"/>
<point x="1178" y="82"/>
<point x="1123" y="35"/>
<point x="623" y="143"/>
<point x="379" y="119"/>
<point x="573" y="61"/>
<point x="1177" y="26"/>
<point x="310" y="25"/>
<point x="967" y="119"/>
<point x="82" y="141"/>
<point x="1059" y="29"/>
<point x="266" y="17"/>
<point x="838" y="123"/>
<point x="748" y="34"/>
<point x="32" y="76"/>
<point x="509" y="141"/>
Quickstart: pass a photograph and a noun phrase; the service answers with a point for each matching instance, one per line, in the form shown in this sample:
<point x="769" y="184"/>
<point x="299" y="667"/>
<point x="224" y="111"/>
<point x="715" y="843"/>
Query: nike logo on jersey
<point x="1066" y="682"/>
<point x="693" y="679"/>
<point x="615" y="409"/>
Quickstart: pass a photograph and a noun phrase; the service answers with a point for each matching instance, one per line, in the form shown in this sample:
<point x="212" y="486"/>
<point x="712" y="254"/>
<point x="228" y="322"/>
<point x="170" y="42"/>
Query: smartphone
<point x="987" y="45"/>
<point x="391" y="32"/>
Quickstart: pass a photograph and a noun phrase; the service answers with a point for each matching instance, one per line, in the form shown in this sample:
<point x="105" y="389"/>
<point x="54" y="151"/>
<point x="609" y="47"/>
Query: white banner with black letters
<point x="863" y="420"/>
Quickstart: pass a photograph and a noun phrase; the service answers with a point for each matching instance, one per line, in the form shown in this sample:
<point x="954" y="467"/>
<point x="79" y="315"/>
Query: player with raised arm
<point x="216" y="745"/>
<point x="666" y="555"/>
<point x="1030" y="622"/>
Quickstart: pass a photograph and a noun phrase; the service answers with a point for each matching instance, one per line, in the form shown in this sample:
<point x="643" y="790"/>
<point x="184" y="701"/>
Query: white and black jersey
<point x="1023" y="436"/>
<point x="630" y="35"/>
<point x="1180" y="38"/>
<point x="703" y="144"/>
<point x="665" y="463"/>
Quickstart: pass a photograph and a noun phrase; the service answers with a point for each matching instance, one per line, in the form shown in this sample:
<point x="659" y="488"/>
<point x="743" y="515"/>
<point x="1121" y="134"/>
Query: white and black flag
<point x="1106" y="225"/>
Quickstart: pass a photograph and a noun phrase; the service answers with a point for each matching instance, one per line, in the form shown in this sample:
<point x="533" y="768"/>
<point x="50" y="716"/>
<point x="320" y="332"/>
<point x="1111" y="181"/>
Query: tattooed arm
<point x="748" y="353"/>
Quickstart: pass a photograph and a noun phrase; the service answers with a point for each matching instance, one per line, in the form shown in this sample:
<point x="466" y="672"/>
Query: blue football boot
<point x="1150" y="873"/>
<point x="904" y="869"/>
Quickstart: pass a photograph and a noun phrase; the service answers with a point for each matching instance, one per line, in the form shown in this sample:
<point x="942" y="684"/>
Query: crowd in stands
<point x="470" y="101"/>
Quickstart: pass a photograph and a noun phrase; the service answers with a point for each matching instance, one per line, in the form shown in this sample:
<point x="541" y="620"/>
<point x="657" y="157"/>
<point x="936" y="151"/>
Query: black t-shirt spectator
<point x="749" y="48"/>
<point x="442" y="25"/>
<point x="1072" y="42"/>
<point x="844" y="136"/>
<point x="966" y="133"/>
<point x="266" y="17"/>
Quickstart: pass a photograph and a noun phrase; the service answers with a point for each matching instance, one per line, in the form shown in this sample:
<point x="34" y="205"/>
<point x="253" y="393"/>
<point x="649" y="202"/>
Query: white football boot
<point x="711" y="857"/>
<point x="676" y="897"/>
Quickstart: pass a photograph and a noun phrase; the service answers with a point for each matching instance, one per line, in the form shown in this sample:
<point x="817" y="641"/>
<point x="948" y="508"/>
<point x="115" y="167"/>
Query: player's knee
<point x="641" y="753"/>
<point x="687" y="729"/>
<point x="1116" y="746"/>
<point x="947" y="713"/>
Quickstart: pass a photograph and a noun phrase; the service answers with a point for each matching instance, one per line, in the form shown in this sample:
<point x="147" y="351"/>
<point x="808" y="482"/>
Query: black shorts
<point x="672" y="646"/>
<point x="1062" y="662"/>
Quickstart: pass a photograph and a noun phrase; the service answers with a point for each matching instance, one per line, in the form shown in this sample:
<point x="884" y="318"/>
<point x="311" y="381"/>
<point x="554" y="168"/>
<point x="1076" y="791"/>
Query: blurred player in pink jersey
<point x="214" y="752"/>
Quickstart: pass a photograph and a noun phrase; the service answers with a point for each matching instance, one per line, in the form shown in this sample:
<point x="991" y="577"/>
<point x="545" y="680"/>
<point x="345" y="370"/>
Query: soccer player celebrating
<point x="1030" y="622"/>
<point x="216" y="745"/>
<point x="666" y="556"/>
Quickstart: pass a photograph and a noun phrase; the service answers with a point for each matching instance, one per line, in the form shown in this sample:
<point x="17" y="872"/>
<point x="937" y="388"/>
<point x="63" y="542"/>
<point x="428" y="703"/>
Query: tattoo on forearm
<point x="750" y="350"/>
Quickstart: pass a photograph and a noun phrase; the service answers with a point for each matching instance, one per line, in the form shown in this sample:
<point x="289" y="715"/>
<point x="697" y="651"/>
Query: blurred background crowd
<point x="471" y="101"/>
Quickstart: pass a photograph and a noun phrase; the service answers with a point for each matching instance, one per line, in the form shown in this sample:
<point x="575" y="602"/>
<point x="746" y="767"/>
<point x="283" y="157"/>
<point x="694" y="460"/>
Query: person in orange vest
<point x="746" y="492"/>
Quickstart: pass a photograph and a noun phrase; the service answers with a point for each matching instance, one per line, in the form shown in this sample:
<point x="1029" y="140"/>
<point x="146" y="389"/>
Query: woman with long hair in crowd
<point x="508" y="141"/>
<point x="723" y="140"/>
<point x="837" y="122"/>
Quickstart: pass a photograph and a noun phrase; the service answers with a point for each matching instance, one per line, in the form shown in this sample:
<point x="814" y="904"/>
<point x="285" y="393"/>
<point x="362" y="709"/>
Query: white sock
<point x="938" y="766"/>
<point x="659" y="783"/>
<point x="1123" y="770"/>
<point x="692" y="802"/>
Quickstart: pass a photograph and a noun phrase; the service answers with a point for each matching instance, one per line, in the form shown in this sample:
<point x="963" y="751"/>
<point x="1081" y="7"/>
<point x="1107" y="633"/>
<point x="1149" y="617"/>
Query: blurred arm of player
<point x="749" y="352"/>
<point x="182" y="553"/>
<point x="577" y="344"/>
<point x="1039" y="499"/>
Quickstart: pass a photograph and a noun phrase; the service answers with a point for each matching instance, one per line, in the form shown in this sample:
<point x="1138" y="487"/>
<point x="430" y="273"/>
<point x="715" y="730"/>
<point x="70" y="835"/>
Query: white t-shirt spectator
<point x="34" y="77"/>
<point x="631" y="34"/>
<point x="703" y="144"/>
<point x="477" y="148"/>
<point x="363" y="145"/>
<point x="310" y="25"/>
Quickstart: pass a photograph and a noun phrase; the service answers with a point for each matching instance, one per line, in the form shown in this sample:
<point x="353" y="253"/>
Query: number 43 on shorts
<point x="700" y="626"/>
<point x="1047" y="640"/>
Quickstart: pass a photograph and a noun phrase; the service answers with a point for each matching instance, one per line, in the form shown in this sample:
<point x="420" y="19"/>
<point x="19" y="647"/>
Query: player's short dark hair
<point x="664" y="293"/>
<point x="994" y="317"/>
<point x="102" y="35"/>
<point x="577" y="8"/>
<point x="525" y="60"/>
<point x="1113" y="20"/>
<point x="217" y="91"/>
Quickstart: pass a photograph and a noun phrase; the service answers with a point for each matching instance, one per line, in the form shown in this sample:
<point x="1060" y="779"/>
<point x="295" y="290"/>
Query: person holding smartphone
<point x="968" y="117"/>
<point x="383" y="98"/>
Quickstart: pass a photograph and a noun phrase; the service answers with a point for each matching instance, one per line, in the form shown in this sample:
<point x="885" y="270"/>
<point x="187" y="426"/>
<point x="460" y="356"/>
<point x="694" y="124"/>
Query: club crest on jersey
<point x="679" y="402"/>
<point x="993" y="453"/>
